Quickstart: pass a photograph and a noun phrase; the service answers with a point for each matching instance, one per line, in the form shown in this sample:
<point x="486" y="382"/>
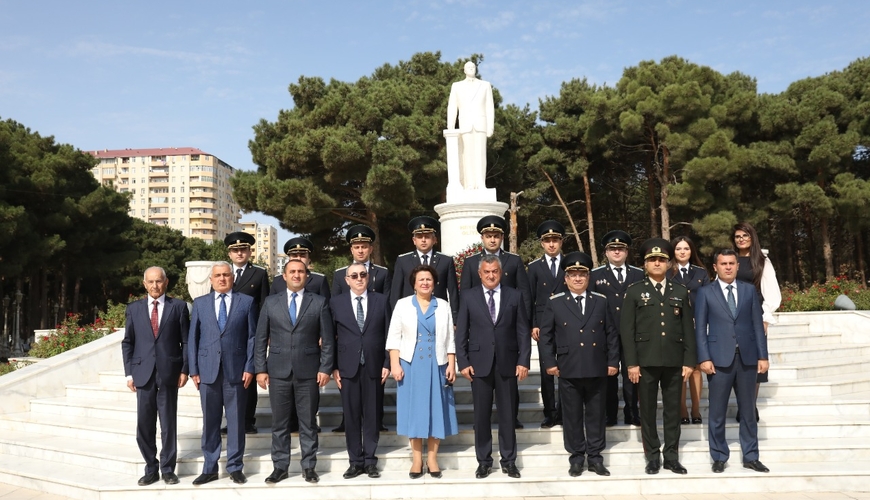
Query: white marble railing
<point x="853" y="325"/>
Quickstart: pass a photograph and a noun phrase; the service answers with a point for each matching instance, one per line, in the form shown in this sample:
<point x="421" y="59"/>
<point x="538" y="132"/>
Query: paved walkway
<point x="9" y="492"/>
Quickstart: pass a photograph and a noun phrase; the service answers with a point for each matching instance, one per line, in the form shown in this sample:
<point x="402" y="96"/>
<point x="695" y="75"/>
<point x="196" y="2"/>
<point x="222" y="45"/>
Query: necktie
<point x="553" y="266"/>
<point x="660" y="288"/>
<point x="222" y="314"/>
<point x="154" y="325"/>
<point x="619" y="275"/>
<point x="361" y="321"/>
<point x="685" y="272"/>
<point x="426" y="259"/>
<point x="732" y="302"/>
<point x="491" y="304"/>
<point x="238" y="275"/>
<point x="292" y="309"/>
<point x="580" y="304"/>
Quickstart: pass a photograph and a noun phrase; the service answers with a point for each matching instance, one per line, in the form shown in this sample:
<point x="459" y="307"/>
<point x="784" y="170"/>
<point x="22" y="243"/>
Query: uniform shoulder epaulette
<point x="510" y="253"/>
<point x="382" y="267"/>
<point x="341" y="268"/>
<point x="636" y="268"/>
<point x="439" y="254"/>
<point x="678" y="284"/>
<point x="636" y="283"/>
<point x="278" y="276"/>
<point x="539" y="258"/>
<point x="406" y="254"/>
<point x="557" y="295"/>
<point x="319" y="274"/>
<point x="600" y="267"/>
<point x="258" y="267"/>
<point x="599" y="294"/>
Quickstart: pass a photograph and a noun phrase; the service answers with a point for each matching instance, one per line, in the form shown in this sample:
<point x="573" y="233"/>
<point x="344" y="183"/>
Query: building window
<point x="181" y="221"/>
<point x="182" y="189"/>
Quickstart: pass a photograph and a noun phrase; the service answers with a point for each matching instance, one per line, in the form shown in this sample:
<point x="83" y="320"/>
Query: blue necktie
<point x="361" y="321"/>
<point x="293" y="308"/>
<point x="222" y="314"/>
<point x="491" y="304"/>
<point x="732" y="303"/>
<point x="553" y="266"/>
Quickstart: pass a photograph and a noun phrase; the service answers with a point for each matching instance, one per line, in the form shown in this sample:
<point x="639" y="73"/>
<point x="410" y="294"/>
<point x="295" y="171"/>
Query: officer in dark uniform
<point x="253" y="281"/>
<point x="300" y="248"/>
<point x="612" y="280"/>
<point x="424" y="231"/>
<point x="658" y="345"/>
<point x="580" y="345"/>
<point x="492" y="229"/>
<point x="547" y="278"/>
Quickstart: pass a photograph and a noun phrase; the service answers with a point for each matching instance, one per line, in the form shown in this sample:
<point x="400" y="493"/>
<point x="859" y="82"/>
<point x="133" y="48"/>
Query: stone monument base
<point x="459" y="222"/>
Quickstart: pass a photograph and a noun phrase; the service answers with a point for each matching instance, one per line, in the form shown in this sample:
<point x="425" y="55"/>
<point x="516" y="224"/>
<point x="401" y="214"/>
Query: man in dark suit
<point x="493" y="349"/>
<point x="155" y="363"/>
<point x="301" y="248"/>
<point x="658" y="343"/>
<point x="297" y="329"/>
<point x="612" y="281"/>
<point x="546" y="279"/>
<point x="254" y="282"/>
<point x="360" y="239"/>
<point x="424" y="231"/>
<point x="220" y="351"/>
<point x="579" y="344"/>
<point x="732" y="350"/>
<point x="361" y="319"/>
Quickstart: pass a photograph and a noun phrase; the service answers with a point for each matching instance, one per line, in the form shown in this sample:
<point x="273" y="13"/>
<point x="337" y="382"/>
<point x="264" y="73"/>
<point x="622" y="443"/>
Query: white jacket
<point x="402" y="335"/>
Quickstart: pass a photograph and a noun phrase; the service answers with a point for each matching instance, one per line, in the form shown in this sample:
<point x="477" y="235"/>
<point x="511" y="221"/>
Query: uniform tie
<point x="685" y="272"/>
<point x="222" y="313"/>
<point x="154" y="319"/>
<point x="660" y="288"/>
<point x="426" y="259"/>
<point x="732" y="302"/>
<point x="619" y="275"/>
<point x="238" y="275"/>
<point x="580" y="304"/>
<point x="292" y="309"/>
<point x="491" y="304"/>
<point x="553" y="266"/>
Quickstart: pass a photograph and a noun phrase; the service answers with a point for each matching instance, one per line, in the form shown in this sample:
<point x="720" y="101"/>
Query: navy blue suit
<point x="360" y="358"/>
<point x="220" y="358"/>
<point x="155" y="365"/>
<point x="494" y="350"/>
<point x="734" y="344"/>
<point x="544" y="285"/>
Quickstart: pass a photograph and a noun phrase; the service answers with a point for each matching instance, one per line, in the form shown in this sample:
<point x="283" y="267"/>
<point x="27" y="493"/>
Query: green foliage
<point x="7" y="367"/>
<point x="459" y="259"/>
<point x="70" y="334"/>
<point x="821" y="297"/>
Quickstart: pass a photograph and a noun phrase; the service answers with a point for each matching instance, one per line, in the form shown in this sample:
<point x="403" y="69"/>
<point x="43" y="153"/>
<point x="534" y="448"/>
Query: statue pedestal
<point x="459" y="220"/>
<point x="197" y="278"/>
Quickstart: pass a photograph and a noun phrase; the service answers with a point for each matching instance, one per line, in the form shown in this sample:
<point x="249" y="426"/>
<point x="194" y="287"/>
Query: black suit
<point x="695" y="279"/>
<point x="294" y="360"/>
<point x="360" y="358"/>
<point x="155" y="365"/>
<point x="316" y="283"/>
<point x="582" y="345"/>
<point x="254" y="283"/>
<point x="379" y="280"/>
<point x="603" y="280"/>
<point x="445" y="282"/>
<point x="543" y="286"/>
<point x="513" y="275"/>
<point x="493" y="350"/>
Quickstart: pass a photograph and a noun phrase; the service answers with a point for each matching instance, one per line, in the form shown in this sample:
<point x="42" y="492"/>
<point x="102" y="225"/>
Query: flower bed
<point x="821" y="297"/>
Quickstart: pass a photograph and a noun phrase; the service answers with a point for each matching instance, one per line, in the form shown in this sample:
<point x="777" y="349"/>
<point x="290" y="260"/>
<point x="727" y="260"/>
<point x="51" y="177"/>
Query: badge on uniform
<point x="644" y="297"/>
<point x="601" y="282"/>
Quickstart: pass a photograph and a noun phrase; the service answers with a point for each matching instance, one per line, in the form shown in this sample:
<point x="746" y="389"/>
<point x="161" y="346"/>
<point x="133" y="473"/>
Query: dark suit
<point x="155" y="365"/>
<point x="718" y="335"/>
<point x="494" y="350"/>
<point x="220" y="357"/>
<point x="513" y="275"/>
<point x="695" y="279"/>
<point x="293" y="361"/>
<point x="379" y="280"/>
<point x="360" y="357"/>
<point x="543" y="286"/>
<point x="445" y="282"/>
<point x="254" y="283"/>
<point x="657" y="333"/>
<point x="603" y="280"/>
<point x="316" y="283"/>
<point x="582" y="345"/>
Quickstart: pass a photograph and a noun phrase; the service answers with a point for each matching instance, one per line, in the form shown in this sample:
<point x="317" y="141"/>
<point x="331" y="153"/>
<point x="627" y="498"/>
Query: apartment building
<point x="265" y="250"/>
<point x="183" y="188"/>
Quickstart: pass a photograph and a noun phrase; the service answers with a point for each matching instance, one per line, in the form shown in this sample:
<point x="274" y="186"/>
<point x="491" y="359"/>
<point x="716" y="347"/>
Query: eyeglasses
<point x="740" y="237"/>
<point x="362" y="275"/>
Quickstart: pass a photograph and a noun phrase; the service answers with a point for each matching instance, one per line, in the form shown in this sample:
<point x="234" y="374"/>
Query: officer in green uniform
<point x="658" y="342"/>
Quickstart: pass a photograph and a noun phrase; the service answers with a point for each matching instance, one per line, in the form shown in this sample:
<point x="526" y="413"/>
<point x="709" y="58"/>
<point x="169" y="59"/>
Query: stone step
<point x="777" y="340"/>
<point x="824" y="386"/>
<point x="785" y="328"/>
<point x="797" y="354"/>
<point x="821" y="367"/>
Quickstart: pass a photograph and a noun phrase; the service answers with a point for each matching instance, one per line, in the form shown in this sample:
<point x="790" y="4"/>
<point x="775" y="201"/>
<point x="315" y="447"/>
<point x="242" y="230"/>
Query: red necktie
<point x="154" y="325"/>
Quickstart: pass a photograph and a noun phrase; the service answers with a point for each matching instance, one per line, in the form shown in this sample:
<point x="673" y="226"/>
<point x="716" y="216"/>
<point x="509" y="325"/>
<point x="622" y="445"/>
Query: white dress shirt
<point x="496" y="297"/>
<point x="365" y="302"/>
<point x="217" y="302"/>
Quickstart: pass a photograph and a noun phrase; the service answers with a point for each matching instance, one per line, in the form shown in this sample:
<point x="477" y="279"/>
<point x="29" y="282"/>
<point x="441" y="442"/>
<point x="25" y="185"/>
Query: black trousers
<point x="671" y="381"/>
<point x="157" y="398"/>
<point x="583" y="410"/>
<point x="506" y="396"/>
<point x="362" y="400"/>
<point x="629" y="394"/>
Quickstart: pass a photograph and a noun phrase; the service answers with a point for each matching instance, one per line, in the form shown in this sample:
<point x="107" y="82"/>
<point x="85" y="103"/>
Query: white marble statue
<point x="472" y="100"/>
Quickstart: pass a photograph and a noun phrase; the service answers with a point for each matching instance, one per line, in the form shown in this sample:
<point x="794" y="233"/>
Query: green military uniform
<point x="657" y="334"/>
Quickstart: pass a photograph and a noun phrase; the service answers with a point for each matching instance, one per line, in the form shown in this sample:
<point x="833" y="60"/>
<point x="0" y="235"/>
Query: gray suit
<point x="293" y="361"/>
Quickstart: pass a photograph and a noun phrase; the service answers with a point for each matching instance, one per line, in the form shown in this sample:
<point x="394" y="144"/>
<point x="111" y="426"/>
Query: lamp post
<point x="18" y="299"/>
<point x="7" y="340"/>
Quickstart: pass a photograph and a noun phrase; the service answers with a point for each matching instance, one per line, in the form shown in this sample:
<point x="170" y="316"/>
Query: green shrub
<point x="70" y="334"/>
<point x="821" y="297"/>
<point x="7" y="368"/>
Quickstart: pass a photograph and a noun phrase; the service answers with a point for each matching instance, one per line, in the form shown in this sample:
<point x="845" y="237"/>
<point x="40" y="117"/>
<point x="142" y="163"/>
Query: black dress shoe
<point x="317" y="428"/>
<point x="653" y="466"/>
<point x="684" y="421"/>
<point x="518" y="424"/>
<point x="635" y="421"/>
<point x="675" y="466"/>
<point x="755" y="465"/>
<point x="548" y="423"/>
<point x="383" y="428"/>
<point x="277" y="476"/>
<point x="205" y="478"/>
<point x="340" y="427"/>
<point x="372" y="471"/>
<point x="575" y="470"/>
<point x="170" y="478"/>
<point x="150" y="479"/>
<point x="353" y="471"/>
<point x="224" y="431"/>
<point x="697" y="420"/>
<point x="238" y="477"/>
<point x="310" y="476"/>
<point x="294" y="428"/>
<point x="718" y="466"/>
<point x="416" y="475"/>
<point x="482" y="471"/>
<point x="610" y="423"/>
<point x="599" y="469"/>
<point x="250" y="429"/>
<point x="511" y="470"/>
<point x="435" y="473"/>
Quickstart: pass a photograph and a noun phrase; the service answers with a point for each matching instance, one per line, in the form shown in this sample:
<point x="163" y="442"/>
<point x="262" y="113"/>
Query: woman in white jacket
<point x="423" y="363"/>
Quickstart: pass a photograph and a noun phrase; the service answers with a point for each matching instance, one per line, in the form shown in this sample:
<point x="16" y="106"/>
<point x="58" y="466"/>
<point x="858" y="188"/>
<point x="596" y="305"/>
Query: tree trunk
<point x="826" y="248"/>
<point x="789" y="250"/>
<point x="664" y="182"/>
<point x="811" y="244"/>
<point x="77" y="288"/>
<point x="43" y="299"/>
<point x="859" y="254"/>
<point x="512" y="235"/>
<point x="565" y="208"/>
<point x="377" y="257"/>
<point x="62" y="279"/>
<point x="651" y="192"/>
<point x="593" y="249"/>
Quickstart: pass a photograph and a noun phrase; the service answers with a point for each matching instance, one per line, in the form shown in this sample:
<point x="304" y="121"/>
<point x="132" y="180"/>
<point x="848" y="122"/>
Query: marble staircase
<point x="76" y="437"/>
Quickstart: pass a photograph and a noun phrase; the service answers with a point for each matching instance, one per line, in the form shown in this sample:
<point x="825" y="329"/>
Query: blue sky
<point x="114" y="74"/>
